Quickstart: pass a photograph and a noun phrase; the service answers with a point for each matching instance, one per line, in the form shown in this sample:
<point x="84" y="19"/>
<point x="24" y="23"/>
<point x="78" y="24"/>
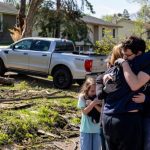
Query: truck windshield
<point x="64" y="46"/>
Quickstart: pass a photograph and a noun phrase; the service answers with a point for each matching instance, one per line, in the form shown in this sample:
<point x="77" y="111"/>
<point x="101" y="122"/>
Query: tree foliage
<point x="144" y="13"/>
<point x="63" y="19"/>
<point x="108" y="17"/>
<point x="106" y="45"/>
<point x="124" y="15"/>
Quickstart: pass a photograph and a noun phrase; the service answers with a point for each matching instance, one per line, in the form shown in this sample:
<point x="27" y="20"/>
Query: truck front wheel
<point x="62" y="78"/>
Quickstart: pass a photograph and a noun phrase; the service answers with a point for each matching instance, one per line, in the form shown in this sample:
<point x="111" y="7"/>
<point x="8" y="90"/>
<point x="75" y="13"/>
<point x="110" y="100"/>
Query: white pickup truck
<point x="50" y="56"/>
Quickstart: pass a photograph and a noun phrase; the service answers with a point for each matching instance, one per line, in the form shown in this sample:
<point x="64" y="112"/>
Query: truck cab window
<point x="64" y="46"/>
<point x="40" y="45"/>
<point x="23" y="45"/>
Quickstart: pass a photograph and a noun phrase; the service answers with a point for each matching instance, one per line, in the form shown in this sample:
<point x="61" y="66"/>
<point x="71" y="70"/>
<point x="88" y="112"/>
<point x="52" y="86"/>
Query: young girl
<point x="89" y="130"/>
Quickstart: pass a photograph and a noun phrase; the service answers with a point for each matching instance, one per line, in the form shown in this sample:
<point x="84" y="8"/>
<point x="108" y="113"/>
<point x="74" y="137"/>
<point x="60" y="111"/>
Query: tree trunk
<point x="58" y="6"/>
<point x="21" y="16"/>
<point x="34" y="4"/>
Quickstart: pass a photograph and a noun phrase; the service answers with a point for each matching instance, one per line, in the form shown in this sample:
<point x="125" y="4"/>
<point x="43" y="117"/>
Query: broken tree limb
<point x="7" y="81"/>
<point x="33" y="97"/>
<point x="49" y="134"/>
<point x="22" y="106"/>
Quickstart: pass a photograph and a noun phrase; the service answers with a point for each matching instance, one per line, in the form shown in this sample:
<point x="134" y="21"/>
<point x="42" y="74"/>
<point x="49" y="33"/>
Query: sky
<point x="104" y="7"/>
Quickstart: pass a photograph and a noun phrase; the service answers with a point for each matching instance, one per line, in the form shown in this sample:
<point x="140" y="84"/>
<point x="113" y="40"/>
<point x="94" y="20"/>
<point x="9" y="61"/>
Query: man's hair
<point x="135" y="44"/>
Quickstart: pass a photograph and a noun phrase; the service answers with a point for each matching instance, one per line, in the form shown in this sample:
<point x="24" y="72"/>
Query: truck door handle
<point x="44" y="55"/>
<point x="25" y="53"/>
<point x="6" y="52"/>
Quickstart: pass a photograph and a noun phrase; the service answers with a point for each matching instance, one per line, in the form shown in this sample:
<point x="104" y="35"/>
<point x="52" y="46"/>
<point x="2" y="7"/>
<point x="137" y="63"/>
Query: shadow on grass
<point x="41" y="82"/>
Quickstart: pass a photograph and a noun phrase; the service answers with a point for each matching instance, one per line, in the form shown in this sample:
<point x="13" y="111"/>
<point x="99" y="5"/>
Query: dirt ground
<point x="44" y="84"/>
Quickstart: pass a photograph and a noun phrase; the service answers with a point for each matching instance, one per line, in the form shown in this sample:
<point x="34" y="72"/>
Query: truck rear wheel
<point x="62" y="78"/>
<point x="2" y="68"/>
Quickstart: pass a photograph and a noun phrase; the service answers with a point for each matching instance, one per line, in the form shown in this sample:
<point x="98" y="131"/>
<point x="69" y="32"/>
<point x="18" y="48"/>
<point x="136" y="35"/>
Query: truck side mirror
<point x="12" y="47"/>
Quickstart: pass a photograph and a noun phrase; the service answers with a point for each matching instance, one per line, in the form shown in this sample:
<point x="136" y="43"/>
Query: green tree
<point x="139" y="30"/>
<point x="63" y="22"/>
<point x="108" y="18"/>
<point x="144" y="13"/>
<point x="126" y="14"/>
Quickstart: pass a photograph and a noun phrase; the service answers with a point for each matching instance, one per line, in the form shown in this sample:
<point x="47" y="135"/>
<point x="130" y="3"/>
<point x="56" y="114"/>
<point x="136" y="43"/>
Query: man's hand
<point x="140" y="98"/>
<point x="96" y="102"/>
<point x="119" y="62"/>
<point x="106" y="78"/>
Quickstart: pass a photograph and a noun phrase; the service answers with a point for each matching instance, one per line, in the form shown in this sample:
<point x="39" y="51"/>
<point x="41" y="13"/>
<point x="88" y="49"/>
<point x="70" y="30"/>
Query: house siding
<point x="91" y="32"/>
<point x="111" y="32"/>
<point x="129" y="28"/>
<point x="8" y="22"/>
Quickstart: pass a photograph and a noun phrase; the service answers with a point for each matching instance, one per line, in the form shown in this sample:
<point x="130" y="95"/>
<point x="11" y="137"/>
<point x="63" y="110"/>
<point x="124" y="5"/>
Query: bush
<point x="106" y="44"/>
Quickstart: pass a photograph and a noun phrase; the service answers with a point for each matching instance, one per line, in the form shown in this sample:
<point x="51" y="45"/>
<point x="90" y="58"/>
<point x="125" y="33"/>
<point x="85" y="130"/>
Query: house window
<point x="148" y="34"/>
<point x="103" y="32"/>
<point x="1" y="22"/>
<point x="114" y="33"/>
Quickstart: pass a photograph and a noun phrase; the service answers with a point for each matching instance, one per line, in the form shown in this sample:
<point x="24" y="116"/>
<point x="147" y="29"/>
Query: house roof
<point x="97" y="21"/>
<point x="8" y="9"/>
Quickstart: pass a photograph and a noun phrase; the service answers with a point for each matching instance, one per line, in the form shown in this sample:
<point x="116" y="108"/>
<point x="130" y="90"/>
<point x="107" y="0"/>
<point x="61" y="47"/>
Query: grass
<point x="21" y="126"/>
<point x="22" y="85"/>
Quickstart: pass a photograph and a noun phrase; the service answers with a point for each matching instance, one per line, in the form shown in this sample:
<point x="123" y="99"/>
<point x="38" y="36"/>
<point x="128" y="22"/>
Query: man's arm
<point x="99" y="87"/>
<point x="134" y="81"/>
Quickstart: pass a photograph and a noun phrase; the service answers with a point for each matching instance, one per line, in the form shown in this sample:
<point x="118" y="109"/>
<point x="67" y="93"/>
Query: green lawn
<point x="55" y="115"/>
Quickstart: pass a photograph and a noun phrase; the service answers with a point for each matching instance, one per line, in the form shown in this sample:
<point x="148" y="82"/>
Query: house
<point x="8" y="14"/>
<point x="96" y="31"/>
<point x="130" y="27"/>
<point x="97" y="28"/>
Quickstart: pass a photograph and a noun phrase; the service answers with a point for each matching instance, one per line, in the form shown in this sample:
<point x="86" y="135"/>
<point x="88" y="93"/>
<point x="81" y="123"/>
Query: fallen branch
<point x="34" y="97"/>
<point x="19" y="107"/>
<point x="7" y="81"/>
<point x="49" y="134"/>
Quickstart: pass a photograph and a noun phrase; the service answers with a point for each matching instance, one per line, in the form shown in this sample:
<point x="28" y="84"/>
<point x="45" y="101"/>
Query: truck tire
<point x="62" y="78"/>
<point x="2" y="68"/>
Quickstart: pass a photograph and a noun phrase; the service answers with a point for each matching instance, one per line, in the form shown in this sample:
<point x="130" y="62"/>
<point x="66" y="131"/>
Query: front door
<point x="17" y="56"/>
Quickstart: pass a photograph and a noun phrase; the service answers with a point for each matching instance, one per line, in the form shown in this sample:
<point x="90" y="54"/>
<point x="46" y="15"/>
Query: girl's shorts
<point x="90" y="141"/>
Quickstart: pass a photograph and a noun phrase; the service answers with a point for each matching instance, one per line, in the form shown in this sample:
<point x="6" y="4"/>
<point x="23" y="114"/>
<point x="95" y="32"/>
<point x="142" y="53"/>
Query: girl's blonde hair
<point x="116" y="53"/>
<point x="86" y="86"/>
